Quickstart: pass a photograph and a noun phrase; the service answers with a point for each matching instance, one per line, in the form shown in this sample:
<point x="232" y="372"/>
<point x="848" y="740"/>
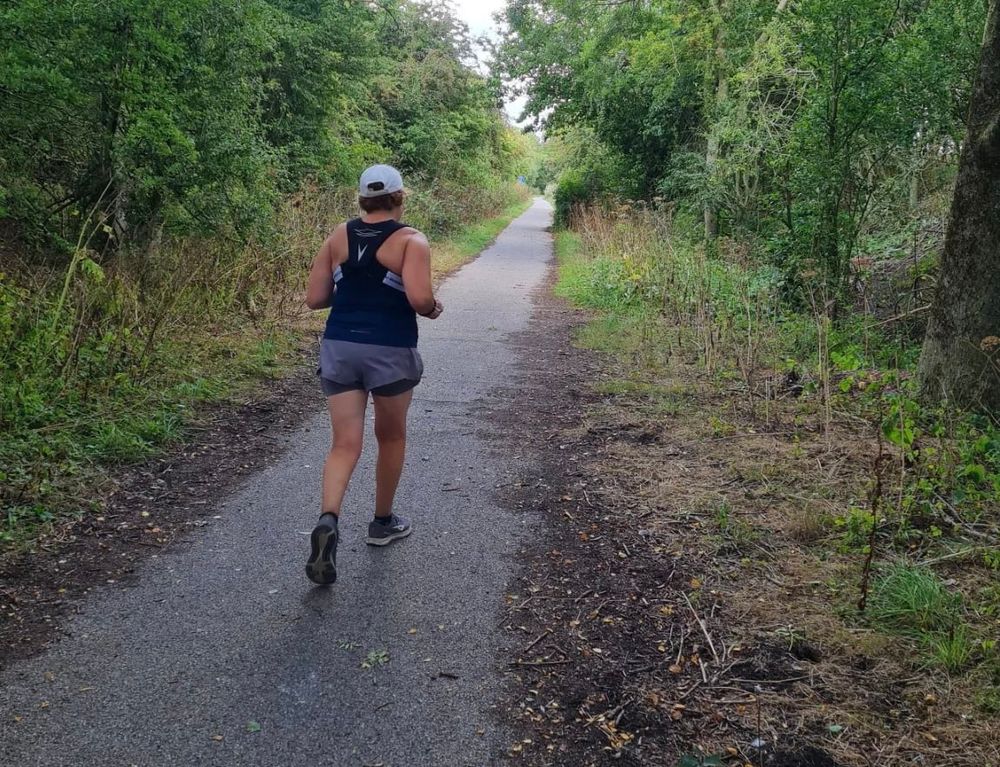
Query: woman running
<point x="375" y="274"/>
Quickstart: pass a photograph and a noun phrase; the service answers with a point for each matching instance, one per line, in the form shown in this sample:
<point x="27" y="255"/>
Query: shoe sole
<point x="321" y="568"/>
<point x="388" y="539"/>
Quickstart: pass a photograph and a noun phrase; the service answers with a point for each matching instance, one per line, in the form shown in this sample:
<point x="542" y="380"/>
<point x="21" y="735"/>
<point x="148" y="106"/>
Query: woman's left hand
<point x="436" y="311"/>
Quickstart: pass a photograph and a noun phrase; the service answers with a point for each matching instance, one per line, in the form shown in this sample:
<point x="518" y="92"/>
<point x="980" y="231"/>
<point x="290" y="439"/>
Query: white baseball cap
<point x="379" y="180"/>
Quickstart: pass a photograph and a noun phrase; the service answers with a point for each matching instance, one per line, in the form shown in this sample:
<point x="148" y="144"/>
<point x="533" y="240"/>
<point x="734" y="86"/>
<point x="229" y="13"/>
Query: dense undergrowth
<point x="910" y="550"/>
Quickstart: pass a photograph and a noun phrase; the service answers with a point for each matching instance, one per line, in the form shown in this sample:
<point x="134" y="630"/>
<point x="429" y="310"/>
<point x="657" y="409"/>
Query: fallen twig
<point x="704" y="630"/>
<point x="537" y="639"/>
<point x="959" y="522"/>
<point x="953" y="555"/>
<point x="528" y="664"/>
<point x="685" y="694"/>
<point x="773" y="681"/>
<point x="900" y="316"/>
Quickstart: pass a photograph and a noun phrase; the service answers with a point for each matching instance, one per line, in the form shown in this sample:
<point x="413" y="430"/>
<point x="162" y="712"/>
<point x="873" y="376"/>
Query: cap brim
<point x="380" y="193"/>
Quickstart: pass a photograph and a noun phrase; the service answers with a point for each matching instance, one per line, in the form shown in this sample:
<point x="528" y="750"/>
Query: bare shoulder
<point x="415" y="237"/>
<point x="340" y="233"/>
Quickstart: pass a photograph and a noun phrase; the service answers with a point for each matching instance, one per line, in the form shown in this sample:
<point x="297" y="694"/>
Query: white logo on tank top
<point x="361" y="252"/>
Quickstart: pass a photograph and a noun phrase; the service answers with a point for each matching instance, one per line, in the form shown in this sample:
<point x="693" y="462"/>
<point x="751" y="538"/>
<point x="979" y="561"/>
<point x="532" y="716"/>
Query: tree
<point x="720" y="86"/>
<point x="960" y="361"/>
<point x="186" y="118"/>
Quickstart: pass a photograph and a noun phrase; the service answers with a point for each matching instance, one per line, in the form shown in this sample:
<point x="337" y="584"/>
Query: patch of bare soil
<point x="149" y="506"/>
<point x="672" y="609"/>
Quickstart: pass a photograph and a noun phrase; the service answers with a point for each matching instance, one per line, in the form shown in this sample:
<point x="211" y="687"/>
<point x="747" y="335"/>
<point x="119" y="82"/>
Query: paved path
<point x="226" y="631"/>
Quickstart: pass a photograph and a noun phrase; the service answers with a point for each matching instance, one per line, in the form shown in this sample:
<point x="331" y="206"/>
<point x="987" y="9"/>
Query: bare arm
<point x="417" y="276"/>
<point x="319" y="292"/>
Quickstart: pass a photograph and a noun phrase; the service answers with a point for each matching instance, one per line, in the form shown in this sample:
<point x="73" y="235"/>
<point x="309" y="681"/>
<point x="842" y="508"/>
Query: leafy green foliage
<point x="701" y="760"/>
<point x="795" y="122"/>
<point x="374" y="659"/>
<point x="856" y="525"/>
<point x="190" y="117"/>
<point x="952" y="458"/>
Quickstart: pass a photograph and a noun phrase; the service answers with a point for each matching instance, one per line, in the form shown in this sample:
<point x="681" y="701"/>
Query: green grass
<point x="736" y="531"/>
<point x="620" y="331"/>
<point x="615" y="333"/>
<point x="649" y="398"/>
<point x="629" y="387"/>
<point x="600" y="282"/>
<point x="54" y="457"/>
<point x="988" y="699"/>
<point x="567" y="246"/>
<point x="910" y="599"/>
<point x="953" y="650"/>
<point x="626" y="328"/>
<point x="913" y="601"/>
<point x="577" y="279"/>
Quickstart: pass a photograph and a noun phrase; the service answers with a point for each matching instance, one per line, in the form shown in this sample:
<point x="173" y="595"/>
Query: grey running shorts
<point x="382" y="370"/>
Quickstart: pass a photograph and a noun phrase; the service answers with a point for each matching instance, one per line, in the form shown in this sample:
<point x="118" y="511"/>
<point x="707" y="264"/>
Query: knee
<point x="392" y="432"/>
<point x="347" y="445"/>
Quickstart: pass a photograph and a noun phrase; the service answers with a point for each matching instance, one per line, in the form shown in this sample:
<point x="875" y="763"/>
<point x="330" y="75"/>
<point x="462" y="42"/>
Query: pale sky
<point x="478" y="14"/>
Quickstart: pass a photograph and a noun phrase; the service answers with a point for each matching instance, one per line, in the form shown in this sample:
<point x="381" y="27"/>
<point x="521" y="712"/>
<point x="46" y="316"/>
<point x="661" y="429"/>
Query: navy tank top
<point x="369" y="304"/>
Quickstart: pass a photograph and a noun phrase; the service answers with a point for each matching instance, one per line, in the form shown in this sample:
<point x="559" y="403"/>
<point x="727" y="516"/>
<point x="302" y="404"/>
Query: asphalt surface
<point x="223" y="653"/>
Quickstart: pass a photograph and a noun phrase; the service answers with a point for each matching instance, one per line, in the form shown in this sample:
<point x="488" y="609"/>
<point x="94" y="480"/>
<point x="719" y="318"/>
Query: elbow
<point x="319" y="296"/>
<point x="317" y="302"/>
<point x="422" y="303"/>
<point x="423" y="306"/>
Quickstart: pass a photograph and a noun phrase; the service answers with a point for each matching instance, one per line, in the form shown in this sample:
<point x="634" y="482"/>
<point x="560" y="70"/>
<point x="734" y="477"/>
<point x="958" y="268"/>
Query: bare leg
<point x="347" y="419"/>
<point x="390" y="431"/>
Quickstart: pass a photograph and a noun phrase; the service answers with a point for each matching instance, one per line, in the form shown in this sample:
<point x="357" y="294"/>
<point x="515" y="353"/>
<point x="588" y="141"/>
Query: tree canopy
<point x="196" y="116"/>
<point x="790" y="120"/>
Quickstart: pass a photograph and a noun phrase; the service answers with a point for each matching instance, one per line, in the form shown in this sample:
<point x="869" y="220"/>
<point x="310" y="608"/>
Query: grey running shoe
<point x="322" y="565"/>
<point x="383" y="535"/>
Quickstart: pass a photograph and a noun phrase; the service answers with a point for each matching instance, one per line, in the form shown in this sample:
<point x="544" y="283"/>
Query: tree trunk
<point x="960" y="361"/>
<point x="720" y="96"/>
<point x="711" y="214"/>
